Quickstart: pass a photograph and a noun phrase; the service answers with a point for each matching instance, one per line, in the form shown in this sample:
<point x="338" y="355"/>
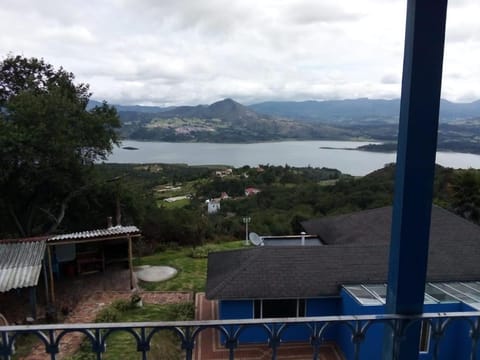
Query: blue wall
<point x="454" y="344"/>
<point x="243" y="309"/>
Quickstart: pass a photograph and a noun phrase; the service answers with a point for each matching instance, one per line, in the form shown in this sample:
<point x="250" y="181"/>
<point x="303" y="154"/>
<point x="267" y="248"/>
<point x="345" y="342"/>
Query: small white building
<point x="213" y="206"/>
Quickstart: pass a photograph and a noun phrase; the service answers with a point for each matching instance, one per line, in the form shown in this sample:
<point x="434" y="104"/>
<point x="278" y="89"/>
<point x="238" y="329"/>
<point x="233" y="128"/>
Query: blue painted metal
<point x="359" y="329"/>
<point x="417" y="140"/>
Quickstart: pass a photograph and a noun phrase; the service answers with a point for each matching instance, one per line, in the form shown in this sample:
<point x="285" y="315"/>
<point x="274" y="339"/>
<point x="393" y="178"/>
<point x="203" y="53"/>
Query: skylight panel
<point x="472" y="295"/>
<point x="439" y="295"/>
<point x="379" y="291"/>
<point x="449" y="289"/>
<point x="473" y="285"/>
<point x="363" y="296"/>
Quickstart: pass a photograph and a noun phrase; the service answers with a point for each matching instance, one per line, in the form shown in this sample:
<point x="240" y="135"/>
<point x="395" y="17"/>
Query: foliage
<point x="292" y="196"/>
<point x="108" y="314"/>
<point x="23" y="345"/>
<point x="121" y="305"/>
<point x="465" y="191"/>
<point x="179" y="225"/>
<point x="201" y="252"/>
<point x="48" y="143"/>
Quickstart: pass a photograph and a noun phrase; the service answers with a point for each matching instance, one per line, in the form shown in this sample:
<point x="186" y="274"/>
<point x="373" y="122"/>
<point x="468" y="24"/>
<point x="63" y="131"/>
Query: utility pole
<point x="246" y="221"/>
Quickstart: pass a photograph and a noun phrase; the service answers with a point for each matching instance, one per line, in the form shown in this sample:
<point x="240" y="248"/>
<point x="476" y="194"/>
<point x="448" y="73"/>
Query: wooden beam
<point x="45" y="280"/>
<point x="130" y="261"/>
<point x="50" y="271"/>
<point x="89" y="240"/>
<point x="33" y="301"/>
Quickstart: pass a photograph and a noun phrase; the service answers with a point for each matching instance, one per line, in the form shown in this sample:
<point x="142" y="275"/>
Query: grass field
<point x="192" y="271"/>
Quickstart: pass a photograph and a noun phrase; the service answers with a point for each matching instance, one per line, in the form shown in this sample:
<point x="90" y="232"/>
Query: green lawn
<point x="192" y="272"/>
<point x="173" y="205"/>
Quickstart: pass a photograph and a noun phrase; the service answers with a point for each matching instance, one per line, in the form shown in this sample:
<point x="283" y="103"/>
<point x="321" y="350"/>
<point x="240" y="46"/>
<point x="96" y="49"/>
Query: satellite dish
<point x="255" y="239"/>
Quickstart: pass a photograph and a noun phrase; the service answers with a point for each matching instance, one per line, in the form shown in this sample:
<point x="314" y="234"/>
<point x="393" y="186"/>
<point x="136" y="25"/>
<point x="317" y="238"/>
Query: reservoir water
<point x="340" y="155"/>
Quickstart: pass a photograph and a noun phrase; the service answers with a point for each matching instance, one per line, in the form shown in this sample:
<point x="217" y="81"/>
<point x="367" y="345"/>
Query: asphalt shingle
<point x="356" y="252"/>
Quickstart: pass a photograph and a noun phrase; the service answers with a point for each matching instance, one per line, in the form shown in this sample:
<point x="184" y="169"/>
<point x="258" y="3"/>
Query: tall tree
<point x="466" y="194"/>
<point x="49" y="142"/>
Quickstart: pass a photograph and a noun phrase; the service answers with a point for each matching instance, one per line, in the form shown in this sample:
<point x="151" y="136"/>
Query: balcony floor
<point x="208" y="345"/>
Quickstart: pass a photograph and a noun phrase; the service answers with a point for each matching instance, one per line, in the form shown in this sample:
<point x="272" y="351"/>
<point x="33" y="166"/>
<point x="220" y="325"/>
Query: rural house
<point x="346" y="274"/>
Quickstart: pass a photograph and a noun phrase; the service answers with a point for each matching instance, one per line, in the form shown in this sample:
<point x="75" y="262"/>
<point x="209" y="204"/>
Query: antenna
<point x="255" y="239"/>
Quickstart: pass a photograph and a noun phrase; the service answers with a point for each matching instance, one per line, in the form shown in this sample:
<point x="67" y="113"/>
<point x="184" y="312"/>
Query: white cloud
<point x="198" y="51"/>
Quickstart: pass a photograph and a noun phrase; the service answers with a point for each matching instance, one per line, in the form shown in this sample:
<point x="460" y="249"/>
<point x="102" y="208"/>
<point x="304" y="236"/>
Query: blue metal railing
<point x="231" y="330"/>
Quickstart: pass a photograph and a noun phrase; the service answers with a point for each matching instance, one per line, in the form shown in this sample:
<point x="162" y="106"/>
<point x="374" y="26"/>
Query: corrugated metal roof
<point x="20" y="264"/>
<point x="113" y="231"/>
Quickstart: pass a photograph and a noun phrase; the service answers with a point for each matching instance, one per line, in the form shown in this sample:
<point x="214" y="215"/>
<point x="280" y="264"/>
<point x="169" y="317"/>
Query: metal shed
<point x="21" y="265"/>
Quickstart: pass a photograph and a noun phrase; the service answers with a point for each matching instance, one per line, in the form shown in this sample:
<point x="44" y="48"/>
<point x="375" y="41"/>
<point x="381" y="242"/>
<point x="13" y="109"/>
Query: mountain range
<point x="359" y="109"/>
<point x="356" y="119"/>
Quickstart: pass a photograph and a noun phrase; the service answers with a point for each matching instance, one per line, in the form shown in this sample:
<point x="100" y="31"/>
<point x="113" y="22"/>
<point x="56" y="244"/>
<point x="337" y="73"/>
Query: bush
<point x="108" y="314"/>
<point x="121" y="305"/>
<point x="200" y="252"/>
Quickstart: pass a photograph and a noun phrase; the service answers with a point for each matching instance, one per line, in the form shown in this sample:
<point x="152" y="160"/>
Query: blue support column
<point x="417" y="141"/>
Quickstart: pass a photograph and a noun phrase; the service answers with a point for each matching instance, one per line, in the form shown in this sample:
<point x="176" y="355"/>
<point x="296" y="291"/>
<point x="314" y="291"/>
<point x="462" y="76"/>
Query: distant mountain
<point x="331" y="110"/>
<point x="372" y="110"/>
<point x="450" y="111"/>
<point x="222" y="121"/>
<point x="226" y="110"/>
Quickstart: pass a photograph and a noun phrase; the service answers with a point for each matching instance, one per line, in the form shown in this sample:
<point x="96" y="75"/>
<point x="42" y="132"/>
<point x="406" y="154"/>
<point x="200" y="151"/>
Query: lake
<point x="293" y="153"/>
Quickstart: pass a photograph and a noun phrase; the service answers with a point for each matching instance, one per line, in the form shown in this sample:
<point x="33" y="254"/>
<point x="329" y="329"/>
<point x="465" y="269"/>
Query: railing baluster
<point x="188" y="344"/>
<point x="52" y="347"/>
<point x="436" y="335"/>
<point x="315" y="341"/>
<point x="475" y="335"/>
<point x="143" y="345"/>
<point x="357" y="338"/>
<point x="6" y="346"/>
<point x="232" y="330"/>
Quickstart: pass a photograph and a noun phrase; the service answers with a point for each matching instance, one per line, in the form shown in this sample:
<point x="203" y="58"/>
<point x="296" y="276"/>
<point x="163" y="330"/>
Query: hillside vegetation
<point x="287" y="196"/>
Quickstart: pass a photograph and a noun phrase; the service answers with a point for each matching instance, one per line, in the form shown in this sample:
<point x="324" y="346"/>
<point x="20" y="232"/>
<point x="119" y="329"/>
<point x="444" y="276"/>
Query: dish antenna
<point x="255" y="239"/>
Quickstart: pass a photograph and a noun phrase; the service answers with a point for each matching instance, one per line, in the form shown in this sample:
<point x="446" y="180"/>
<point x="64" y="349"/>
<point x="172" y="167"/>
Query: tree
<point x="49" y="142"/>
<point x="466" y="194"/>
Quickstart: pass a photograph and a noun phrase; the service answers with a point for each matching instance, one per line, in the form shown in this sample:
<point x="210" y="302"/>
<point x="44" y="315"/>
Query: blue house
<point x="345" y="273"/>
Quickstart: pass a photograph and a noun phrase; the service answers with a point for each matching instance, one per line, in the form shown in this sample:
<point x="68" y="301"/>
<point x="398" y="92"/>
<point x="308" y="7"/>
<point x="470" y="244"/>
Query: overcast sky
<point x="175" y="52"/>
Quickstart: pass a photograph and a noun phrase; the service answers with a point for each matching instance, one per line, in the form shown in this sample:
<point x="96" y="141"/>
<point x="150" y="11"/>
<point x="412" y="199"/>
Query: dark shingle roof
<point x="356" y="252"/>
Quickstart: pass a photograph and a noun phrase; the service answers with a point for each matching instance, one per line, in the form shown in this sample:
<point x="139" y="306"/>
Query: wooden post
<point x="45" y="280"/>
<point x="33" y="301"/>
<point x="50" y="271"/>
<point x="130" y="261"/>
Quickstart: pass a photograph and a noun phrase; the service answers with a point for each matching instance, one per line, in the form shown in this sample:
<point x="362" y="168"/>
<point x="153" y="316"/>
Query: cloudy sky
<point x="174" y="52"/>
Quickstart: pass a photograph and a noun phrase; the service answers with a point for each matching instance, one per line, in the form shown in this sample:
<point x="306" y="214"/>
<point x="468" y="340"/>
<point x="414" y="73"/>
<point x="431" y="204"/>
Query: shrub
<point x="108" y="314"/>
<point x="201" y="252"/>
<point x="121" y="305"/>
